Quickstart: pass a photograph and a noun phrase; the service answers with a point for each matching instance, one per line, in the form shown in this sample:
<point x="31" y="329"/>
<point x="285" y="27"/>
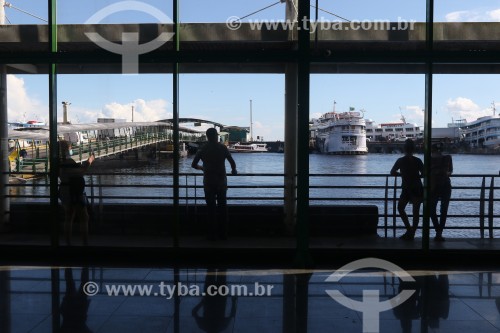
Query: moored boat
<point x="483" y="132"/>
<point x="340" y="133"/>
<point x="394" y="131"/>
<point x="248" y="148"/>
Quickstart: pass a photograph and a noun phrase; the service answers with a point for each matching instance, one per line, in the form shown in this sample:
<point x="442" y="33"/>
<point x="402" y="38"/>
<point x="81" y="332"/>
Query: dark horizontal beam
<point x="212" y="48"/>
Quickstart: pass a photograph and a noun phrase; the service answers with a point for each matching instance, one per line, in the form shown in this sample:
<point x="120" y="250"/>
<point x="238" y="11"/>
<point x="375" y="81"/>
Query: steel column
<point x="175" y="120"/>
<point x="303" y="256"/>
<point x="428" y="122"/>
<point x="290" y="158"/>
<point x="54" y="151"/>
<point x="4" y="148"/>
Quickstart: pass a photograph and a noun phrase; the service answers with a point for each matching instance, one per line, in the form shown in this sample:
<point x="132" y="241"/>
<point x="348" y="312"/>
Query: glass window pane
<point x="467" y="126"/>
<point x="24" y="27"/>
<point x="26" y="13"/>
<point x="368" y="20"/>
<point x="466" y="11"/>
<point x="27" y="197"/>
<point x="113" y="12"/>
<point x="248" y="112"/>
<point x="359" y="125"/>
<point x="197" y="11"/>
<point x="116" y="118"/>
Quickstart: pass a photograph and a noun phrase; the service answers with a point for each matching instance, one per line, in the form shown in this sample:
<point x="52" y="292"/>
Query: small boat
<point x="248" y="148"/>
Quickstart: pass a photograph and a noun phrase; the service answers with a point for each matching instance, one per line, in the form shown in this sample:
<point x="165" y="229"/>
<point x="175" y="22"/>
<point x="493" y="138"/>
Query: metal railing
<point x="472" y="212"/>
<point x="38" y="163"/>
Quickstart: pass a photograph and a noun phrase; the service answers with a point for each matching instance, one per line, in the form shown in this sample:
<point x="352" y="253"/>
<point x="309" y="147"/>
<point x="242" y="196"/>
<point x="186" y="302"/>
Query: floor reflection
<point x="210" y="312"/>
<point x="430" y="301"/>
<point x="219" y="300"/>
<point x="75" y="304"/>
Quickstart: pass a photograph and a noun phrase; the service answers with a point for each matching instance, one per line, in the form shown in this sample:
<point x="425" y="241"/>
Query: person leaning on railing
<point x="213" y="155"/>
<point x="411" y="169"/>
<point x="441" y="170"/>
<point x="72" y="191"/>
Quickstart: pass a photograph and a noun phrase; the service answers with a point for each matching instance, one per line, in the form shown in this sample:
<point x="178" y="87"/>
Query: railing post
<point x="386" y="203"/>
<point x="481" y="208"/>
<point x="195" y="201"/>
<point x="100" y="200"/>
<point x="490" y="207"/>
<point x="394" y="200"/>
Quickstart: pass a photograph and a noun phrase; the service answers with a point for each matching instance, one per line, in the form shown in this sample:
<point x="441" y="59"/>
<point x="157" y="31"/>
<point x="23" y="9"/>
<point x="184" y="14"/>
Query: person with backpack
<point x="72" y="191"/>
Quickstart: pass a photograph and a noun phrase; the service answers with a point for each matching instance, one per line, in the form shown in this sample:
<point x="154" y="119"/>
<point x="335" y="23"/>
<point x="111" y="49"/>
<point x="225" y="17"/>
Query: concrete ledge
<point x="343" y="220"/>
<point x="144" y="219"/>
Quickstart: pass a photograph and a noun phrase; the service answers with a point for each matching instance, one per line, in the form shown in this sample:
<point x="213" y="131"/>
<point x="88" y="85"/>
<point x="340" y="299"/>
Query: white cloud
<point x="143" y="110"/>
<point x="414" y="114"/>
<point x="79" y="115"/>
<point x="474" y="15"/>
<point x="465" y="108"/>
<point x="454" y="16"/>
<point x="21" y="106"/>
<point x="268" y="131"/>
<point x="315" y="115"/>
<point x="494" y="15"/>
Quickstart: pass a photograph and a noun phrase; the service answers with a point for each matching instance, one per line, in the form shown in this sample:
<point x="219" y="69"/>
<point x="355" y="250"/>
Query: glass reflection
<point x="75" y="304"/>
<point x="210" y="312"/>
<point x="298" y="302"/>
<point x="430" y="302"/>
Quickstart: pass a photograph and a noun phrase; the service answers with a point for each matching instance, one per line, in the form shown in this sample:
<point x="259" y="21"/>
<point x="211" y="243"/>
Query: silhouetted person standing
<point x="411" y="170"/>
<point x="72" y="191"/>
<point x="214" y="155"/>
<point x="441" y="170"/>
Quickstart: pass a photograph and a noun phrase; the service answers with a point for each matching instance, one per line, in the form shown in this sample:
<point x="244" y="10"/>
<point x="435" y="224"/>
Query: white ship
<point x="340" y="133"/>
<point x="397" y="131"/>
<point x="248" y="148"/>
<point x="482" y="133"/>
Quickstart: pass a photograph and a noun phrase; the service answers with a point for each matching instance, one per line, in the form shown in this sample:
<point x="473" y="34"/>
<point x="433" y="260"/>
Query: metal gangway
<point x="29" y="147"/>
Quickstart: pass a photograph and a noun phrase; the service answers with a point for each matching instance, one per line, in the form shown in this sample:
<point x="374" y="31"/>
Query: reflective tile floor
<point x="353" y="298"/>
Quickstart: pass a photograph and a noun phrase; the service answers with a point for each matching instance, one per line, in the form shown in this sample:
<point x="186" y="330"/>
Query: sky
<point x="225" y="98"/>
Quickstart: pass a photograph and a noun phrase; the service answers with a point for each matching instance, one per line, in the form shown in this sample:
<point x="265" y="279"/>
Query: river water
<point x="359" y="180"/>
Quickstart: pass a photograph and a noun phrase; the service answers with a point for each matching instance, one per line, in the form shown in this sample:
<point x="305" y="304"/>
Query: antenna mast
<point x="4" y="4"/>
<point x="2" y="12"/>
<point x="403" y="119"/>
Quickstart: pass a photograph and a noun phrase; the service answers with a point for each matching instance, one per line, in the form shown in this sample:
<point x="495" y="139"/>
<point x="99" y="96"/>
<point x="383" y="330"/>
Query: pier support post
<point x="4" y="148"/>
<point x="290" y="149"/>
